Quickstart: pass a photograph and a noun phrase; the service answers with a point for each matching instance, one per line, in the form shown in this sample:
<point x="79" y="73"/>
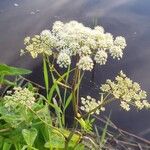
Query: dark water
<point x="129" y="18"/>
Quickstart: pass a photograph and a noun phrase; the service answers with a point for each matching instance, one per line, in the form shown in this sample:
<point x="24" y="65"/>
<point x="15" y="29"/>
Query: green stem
<point x="66" y="82"/>
<point x="74" y="98"/>
<point x="56" y="129"/>
<point x="78" y="89"/>
<point x="5" y="130"/>
<point x="45" y="72"/>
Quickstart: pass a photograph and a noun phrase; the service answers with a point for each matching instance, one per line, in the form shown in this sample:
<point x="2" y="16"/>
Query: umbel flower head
<point x="90" y="103"/>
<point x="40" y="44"/>
<point x="20" y="97"/>
<point x="63" y="60"/>
<point x="127" y="91"/>
<point x="75" y="39"/>
<point x="101" y="57"/>
<point x="85" y="63"/>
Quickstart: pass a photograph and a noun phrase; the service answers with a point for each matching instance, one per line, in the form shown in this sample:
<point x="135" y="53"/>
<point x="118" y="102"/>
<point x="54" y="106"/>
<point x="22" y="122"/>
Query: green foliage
<point x="6" y="70"/>
<point x="26" y="119"/>
<point x="12" y="71"/>
<point x="104" y="133"/>
<point x="29" y="136"/>
<point x="45" y="72"/>
<point x="34" y="123"/>
<point x="86" y="124"/>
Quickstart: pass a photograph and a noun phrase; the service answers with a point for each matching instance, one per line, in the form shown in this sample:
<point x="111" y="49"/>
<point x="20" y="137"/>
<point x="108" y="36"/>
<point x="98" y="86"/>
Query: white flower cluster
<point x="63" y="60"/>
<point x="20" y="97"/>
<point x="76" y="39"/>
<point x="40" y="44"/>
<point x="120" y="42"/>
<point x="84" y="51"/>
<point x="101" y="57"/>
<point x="127" y="91"/>
<point x="90" y="103"/>
<point x="85" y="41"/>
<point x="85" y="63"/>
<point x="116" y="52"/>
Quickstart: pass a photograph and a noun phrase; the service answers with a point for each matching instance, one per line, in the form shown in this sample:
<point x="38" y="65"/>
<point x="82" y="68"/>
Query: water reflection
<point x="130" y="18"/>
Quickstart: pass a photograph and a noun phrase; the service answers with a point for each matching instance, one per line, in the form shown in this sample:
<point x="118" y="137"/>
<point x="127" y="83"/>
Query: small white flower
<point x="63" y="60"/>
<point x="99" y="28"/>
<point x="74" y="47"/>
<point x="139" y="104"/>
<point x="46" y="33"/>
<point x="82" y="108"/>
<point x="101" y="57"/>
<point x="27" y="40"/>
<point x="146" y="103"/>
<point x="57" y="26"/>
<point x="84" y="50"/>
<point x="120" y="41"/>
<point x="105" y="87"/>
<point x="125" y="105"/>
<point x="88" y="97"/>
<point x="116" y="52"/>
<point x="90" y="103"/>
<point x="85" y="63"/>
<point x="97" y="112"/>
<point x="102" y="108"/>
<point x="66" y="51"/>
<point x="109" y="40"/>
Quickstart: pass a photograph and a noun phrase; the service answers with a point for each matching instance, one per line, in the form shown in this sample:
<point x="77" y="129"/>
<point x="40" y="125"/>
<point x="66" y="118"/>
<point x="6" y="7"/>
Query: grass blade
<point x="46" y="79"/>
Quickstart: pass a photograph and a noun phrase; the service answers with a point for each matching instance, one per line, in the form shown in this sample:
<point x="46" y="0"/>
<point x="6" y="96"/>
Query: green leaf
<point x="102" y="139"/>
<point x="17" y="146"/>
<point x="7" y="82"/>
<point x="55" y="84"/>
<point x="58" y="113"/>
<point x="29" y="135"/>
<point x="13" y="71"/>
<point x="1" y="142"/>
<point x="79" y="147"/>
<point x="71" y="95"/>
<point x="46" y="79"/>
<point x="82" y="123"/>
<point x="68" y="101"/>
<point x="24" y="147"/>
<point x="56" y="141"/>
<point x="6" y="146"/>
<point x="75" y="138"/>
<point x="57" y="87"/>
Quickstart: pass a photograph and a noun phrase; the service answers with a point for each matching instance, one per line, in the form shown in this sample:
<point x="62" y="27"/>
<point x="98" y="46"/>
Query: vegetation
<point x="32" y="121"/>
